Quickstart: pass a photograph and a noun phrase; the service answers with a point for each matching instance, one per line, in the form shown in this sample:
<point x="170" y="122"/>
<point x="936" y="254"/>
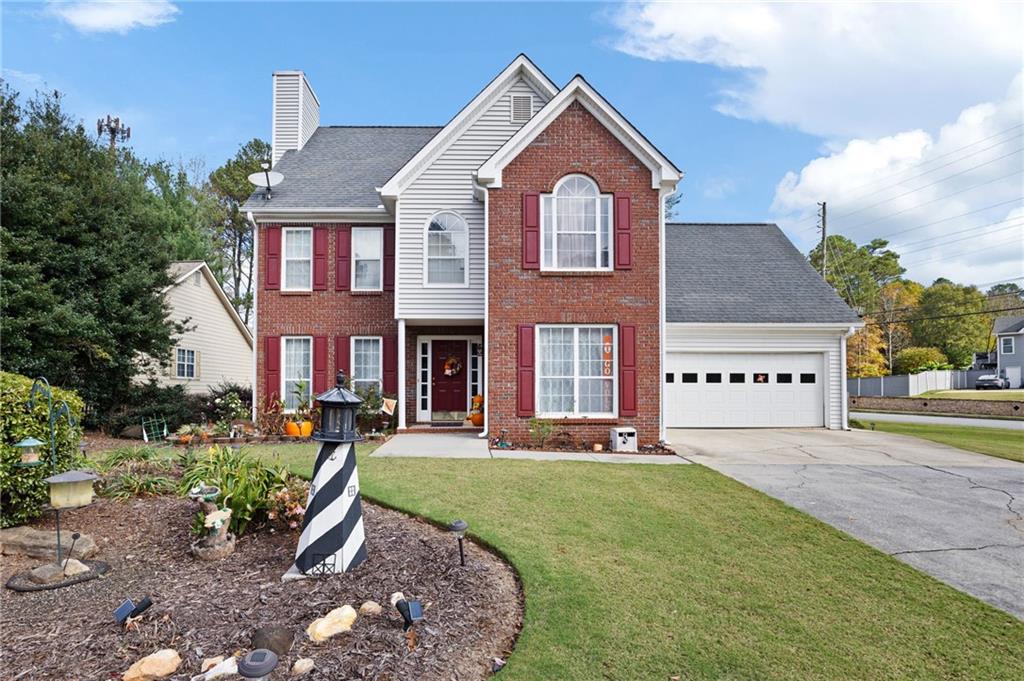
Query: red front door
<point x="448" y="372"/>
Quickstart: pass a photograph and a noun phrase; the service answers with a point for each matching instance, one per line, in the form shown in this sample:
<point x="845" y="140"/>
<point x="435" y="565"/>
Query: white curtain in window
<point x="447" y="247"/>
<point x="576" y="370"/>
<point x="367" y="252"/>
<point x="556" y="371"/>
<point x="576" y="226"/>
<point x="298" y="369"/>
<point x="298" y="258"/>
<point x="366" y="365"/>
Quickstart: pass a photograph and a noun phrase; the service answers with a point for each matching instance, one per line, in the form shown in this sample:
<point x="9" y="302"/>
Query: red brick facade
<point x="573" y="143"/>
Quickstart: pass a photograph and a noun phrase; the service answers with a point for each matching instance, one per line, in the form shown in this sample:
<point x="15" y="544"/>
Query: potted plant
<point x="476" y="414"/>
<point x="301" y="424"/>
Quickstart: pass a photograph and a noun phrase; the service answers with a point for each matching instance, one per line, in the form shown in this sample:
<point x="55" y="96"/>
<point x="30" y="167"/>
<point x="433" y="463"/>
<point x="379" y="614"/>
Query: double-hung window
<point x="447" y="250"/>
<point x="367" y="368"/>
<point x="576" y="370"/>
<point x="367" y="257"/>
<point x="1007" y="345"/>
<point x="576" y="226"/>
<point x="297" y="377"/>
<point x="185" y="363"/>
<point x="298" y="259"/>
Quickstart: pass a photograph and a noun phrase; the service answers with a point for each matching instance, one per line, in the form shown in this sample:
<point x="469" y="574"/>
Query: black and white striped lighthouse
<point x="333" y="540"/>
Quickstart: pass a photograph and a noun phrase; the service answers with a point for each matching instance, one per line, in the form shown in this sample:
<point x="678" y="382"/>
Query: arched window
<point x="447" y="249"/>
<point x="576" y="226"/>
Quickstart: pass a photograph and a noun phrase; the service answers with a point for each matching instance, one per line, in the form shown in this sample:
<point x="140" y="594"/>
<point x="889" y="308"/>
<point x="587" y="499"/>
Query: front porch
<point x="443" y="369"/>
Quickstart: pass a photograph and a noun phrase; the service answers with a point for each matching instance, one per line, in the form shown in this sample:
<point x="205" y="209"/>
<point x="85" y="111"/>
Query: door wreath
<point x="452" y="366"/>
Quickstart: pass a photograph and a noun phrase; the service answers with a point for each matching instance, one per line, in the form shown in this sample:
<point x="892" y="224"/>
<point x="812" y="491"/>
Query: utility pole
<point x="114" y="129"/>
<point x="823" y="214"/>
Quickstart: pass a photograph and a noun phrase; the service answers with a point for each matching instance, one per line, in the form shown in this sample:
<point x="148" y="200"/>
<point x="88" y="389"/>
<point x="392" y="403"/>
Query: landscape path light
<point x="458" y="528"/>
<point x="333" y="539"/>
<point x="258" y="664"/>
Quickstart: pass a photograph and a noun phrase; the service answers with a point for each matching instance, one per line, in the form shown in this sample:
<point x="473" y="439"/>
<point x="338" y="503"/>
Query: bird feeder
<point x="29" y="452"/>
<point x="72" y="489"/>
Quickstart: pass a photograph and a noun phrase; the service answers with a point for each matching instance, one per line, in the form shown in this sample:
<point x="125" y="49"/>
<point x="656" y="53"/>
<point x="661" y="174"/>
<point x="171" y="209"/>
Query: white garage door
<point x="750" y="390"/>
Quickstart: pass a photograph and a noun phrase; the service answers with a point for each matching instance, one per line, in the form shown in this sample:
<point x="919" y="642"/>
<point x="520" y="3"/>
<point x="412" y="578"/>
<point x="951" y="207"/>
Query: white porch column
<point x="401" y="374"/>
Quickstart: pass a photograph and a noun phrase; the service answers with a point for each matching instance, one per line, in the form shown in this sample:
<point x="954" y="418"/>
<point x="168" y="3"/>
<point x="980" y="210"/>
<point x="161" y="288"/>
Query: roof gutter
<point x="270" y="213"/>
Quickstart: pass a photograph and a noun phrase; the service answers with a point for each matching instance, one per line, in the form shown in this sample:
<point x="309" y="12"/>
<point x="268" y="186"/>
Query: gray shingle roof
<point x="1008" y="325"/>
<point x="744" y="273"/>
<point x="339" y="167"/>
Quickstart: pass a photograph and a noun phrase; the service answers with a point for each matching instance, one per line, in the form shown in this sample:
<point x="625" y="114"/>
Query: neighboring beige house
<point x="217" y="348"/>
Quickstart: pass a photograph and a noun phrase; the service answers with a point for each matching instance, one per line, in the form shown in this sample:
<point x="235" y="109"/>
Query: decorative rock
<point x="51" y="573"/>
<point x="370" y="608"/>
<point x="274" y="637"/>
<point x="74" y="567"/>
<point x="222" y="669"/>
<point x="337" y="621"/>
<point x="211" y="662"/>
<point x="217" y="551"/>
<point x="159" y="665"/>
<point x="34" y="543"/>
<point x="303" y="665"/>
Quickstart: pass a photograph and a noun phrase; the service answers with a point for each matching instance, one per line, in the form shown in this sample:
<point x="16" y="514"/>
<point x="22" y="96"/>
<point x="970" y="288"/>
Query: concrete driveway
<point x="956" y="515"/>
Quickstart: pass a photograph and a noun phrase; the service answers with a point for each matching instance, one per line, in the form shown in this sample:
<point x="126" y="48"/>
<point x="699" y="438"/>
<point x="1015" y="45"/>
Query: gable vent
<point x="522" y="108"/>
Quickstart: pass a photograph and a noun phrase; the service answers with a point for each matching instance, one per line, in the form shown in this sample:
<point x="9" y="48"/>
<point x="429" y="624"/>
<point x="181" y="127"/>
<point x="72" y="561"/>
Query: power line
<point x="946" y="316"/>
<point x="979" y="250"/>
<point x="963" y="238"/>
<point x="953" y="217"/>
<point x="961" y="231"/>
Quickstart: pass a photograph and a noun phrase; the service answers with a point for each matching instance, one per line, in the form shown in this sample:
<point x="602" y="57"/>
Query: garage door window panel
<point x="713" y="378"/>
<point x="783" y="378"/>
<point x="576" y="371"/>
<point x="737" y="378"/>
<point x="807" y="378"/>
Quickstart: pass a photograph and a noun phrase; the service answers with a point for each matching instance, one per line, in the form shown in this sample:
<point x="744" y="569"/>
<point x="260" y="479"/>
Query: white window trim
<point x="284" y="378"/>
<point x="426" y="252"/>
<point x="614" y="413"/>
<point x="554" y="242"/>
<point x="1013" y="345"/>
<point x="178" y="364"/>
<point x="512" y="109"/>
<point x="352" y="237"/>
<point x="284" y="258"/>
<point x="380" y="361"/>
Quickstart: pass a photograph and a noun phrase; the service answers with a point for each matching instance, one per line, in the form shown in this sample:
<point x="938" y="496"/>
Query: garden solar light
<point x="458" y="528"/>
<point x="29" y="453"/>
<point x="410" y="610"/>
<point x="257" y="664"/>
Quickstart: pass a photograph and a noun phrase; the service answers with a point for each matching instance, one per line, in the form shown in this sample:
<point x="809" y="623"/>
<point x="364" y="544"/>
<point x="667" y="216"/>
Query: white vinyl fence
<point x="908" y="385"/>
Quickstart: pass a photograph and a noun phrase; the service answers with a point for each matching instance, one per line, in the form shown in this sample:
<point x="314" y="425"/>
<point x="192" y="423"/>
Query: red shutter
<point x="343" y="255"/>
<point x="320" y="383"/>
<point x="389" y="258"/>
<point x="272" y="260"/>
<point x="627" y="370"/>
<point x="319" y="258"/>
<point x="623" y="232"/>
<point x="524" y="393"/>
<point x="341" y="354"/>
<point x="271" y="369"/>
<point x="390" y="362"/>
<point x="531" y="231"/>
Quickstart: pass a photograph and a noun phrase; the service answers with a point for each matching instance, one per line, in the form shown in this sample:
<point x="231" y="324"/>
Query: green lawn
<point x="650" y="572"/>
<point x="1001" y="442"/>
<point x="994" y="395"/>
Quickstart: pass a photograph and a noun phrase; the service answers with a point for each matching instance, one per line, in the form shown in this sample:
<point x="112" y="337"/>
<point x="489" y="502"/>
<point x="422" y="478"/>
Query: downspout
<point x="845" y="408"/>
<point x="663" y="431"/>
<point x="255" y="298"/>
<point x="486" y="379"/>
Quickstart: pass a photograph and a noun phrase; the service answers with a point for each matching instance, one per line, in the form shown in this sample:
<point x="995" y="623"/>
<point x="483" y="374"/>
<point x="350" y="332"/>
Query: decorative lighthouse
<point x="332" y="539"/>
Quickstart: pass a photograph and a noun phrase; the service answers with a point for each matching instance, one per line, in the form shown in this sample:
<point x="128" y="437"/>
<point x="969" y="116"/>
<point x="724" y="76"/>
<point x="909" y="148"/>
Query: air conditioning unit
<point x="623" y="439"/>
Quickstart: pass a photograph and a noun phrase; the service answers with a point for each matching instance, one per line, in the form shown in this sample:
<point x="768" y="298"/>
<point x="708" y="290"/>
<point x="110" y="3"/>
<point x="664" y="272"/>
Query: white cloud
<point x="32" y="80"/>
<point x="911" y="187"/>
<point x="838" y="69"/>
<point x="718" y="188"/>
<point x="120" y="16"/>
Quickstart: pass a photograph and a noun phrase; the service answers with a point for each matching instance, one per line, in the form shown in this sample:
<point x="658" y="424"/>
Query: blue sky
<point x="737" y="96"/>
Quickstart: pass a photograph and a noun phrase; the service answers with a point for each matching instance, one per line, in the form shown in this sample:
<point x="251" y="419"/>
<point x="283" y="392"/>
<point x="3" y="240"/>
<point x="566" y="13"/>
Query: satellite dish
<point x="266" y="178"/>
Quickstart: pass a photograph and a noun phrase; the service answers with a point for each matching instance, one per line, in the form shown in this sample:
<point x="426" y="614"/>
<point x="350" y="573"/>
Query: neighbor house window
<point x="297" y="377"/>
<point x="185" y="363"/>
<point x="368" y="258"/>
<point x="1007" y="344"/>
<point x="447" y="249"/>
<point x="577" y="373"/>
<point x="366" y="363"/>
<point x="576" y="226"/>
<point x="298" y="259"/>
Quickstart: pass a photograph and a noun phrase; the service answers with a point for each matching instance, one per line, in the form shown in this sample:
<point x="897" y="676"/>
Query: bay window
<point x="297" y="374"/>
<point x="576" y="371"/>
<point x="367" y="368"/>
<point x="576" y="226"/>
<point x="447" y="250"/>
<point x="297" y="263"/>
<point x="367" y="257"/>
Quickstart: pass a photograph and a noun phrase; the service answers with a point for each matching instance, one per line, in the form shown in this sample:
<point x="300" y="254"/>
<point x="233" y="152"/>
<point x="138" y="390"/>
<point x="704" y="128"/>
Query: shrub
<point x="22" y="490"/>
<point x="226" y="402"/>
<point x="152" y="401"/>
<point x="540" y="430"/>
<point x="129" y="484"/>
<point x="914" y="360"/>
<point x="246" y="483"/>
<point x="288" y="505"/>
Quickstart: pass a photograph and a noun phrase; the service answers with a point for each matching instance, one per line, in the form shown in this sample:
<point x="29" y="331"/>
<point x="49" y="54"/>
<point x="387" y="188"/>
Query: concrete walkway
<point x="939" y="420"/>
<point x="469" y="446"/>
<point x="956" y="515"/>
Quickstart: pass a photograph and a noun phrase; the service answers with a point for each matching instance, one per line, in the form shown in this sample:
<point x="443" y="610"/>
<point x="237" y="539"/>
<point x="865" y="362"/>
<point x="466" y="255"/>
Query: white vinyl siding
<point x="744" y="340"/>
<point x="296" y="113"/>
<point x="576" y="372"/>
<point x="367" y="258"/>
<point x="297" y="369"/>
<point x="367" y="362"/>
<point x="297" y="264"/>
<point x="447" y="184"/>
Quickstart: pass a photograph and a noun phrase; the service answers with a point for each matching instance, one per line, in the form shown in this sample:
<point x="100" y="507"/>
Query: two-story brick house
<point x="519" y="253"/>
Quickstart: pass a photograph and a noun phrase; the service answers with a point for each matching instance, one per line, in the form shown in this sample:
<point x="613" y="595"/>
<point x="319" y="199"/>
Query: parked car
<point x="991" y="381"/>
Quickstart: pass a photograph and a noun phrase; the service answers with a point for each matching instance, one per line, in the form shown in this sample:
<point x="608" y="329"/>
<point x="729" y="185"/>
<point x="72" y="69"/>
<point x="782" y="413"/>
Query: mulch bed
<point x="203" y="609"/>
